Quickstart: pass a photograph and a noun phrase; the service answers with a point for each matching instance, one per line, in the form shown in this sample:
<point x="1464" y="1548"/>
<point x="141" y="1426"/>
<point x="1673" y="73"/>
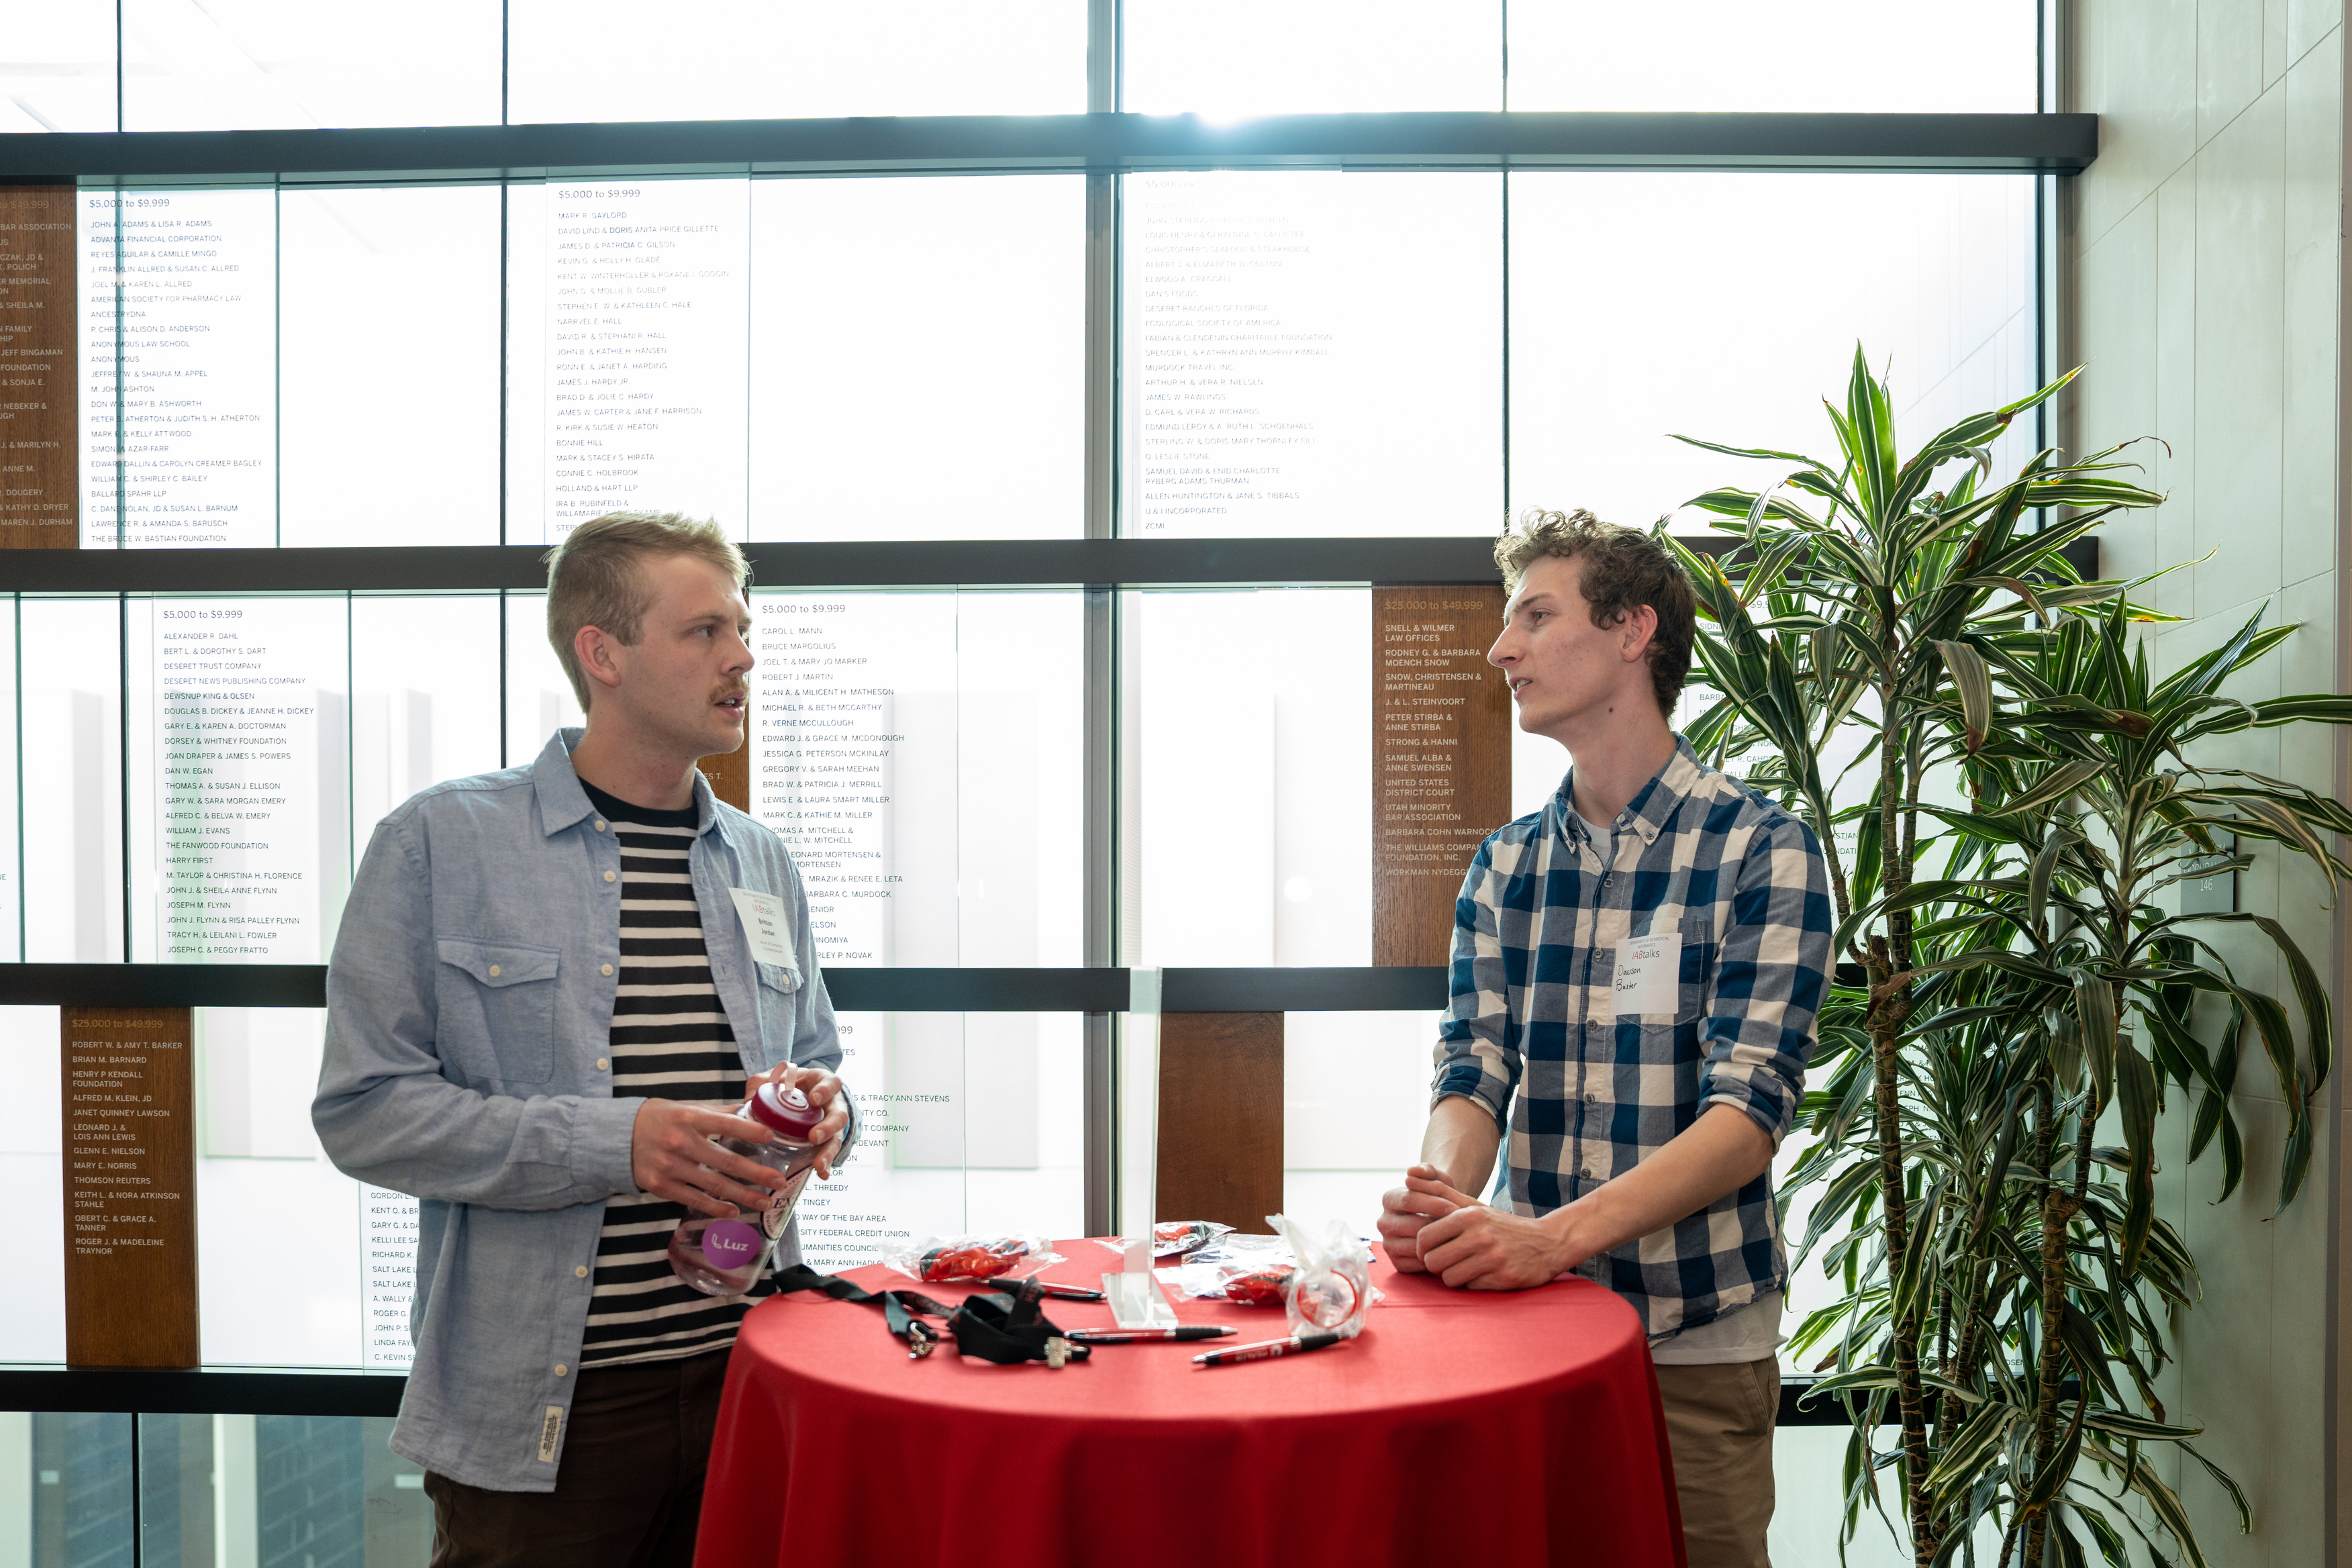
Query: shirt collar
<point x="563" y="804"/>
<point x="1652" y="807"/>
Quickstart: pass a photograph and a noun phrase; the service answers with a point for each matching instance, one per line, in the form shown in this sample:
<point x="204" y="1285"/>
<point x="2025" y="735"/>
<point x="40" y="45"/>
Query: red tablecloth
<point x="1498" y="1428"/>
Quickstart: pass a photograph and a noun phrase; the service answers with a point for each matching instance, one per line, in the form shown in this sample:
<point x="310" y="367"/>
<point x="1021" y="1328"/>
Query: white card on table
<point x="766" y="926"/>
<point x="1648" y="975"/>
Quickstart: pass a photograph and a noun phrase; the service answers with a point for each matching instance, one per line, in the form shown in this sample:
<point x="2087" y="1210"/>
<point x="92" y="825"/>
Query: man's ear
<point x="595" y="649"/>
<point x="1640" y="625"/>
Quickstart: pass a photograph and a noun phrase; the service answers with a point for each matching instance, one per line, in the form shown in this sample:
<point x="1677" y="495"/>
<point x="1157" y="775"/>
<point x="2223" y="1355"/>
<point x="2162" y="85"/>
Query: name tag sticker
<point x="1648" y="975"/>
<point x="764" y="926"/>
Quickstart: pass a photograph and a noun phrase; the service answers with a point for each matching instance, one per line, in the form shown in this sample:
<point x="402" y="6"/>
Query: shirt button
<point x="608" y="876"/>
<point x="1588" y="1172"/>
<point x="560" y="1369"/>
<point x="580" y="1271"/>
<point x="600" y="1064"/>
<point x="1592" y="1099"/>
<point x="494" y="972"/>
<point x="599" y="826"/>
<point x="608" y="969"/>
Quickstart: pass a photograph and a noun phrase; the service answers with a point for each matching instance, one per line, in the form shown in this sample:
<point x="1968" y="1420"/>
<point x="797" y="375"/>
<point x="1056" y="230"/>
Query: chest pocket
<point x="1672" y="1038"/>
<point x="498" y="1008"/>
<point x="1699" y="951"/>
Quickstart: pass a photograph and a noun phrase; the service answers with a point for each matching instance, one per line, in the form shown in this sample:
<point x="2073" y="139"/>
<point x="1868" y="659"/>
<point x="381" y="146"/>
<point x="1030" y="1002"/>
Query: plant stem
<point x="2057" y="1209"/>
<point x="1888" y="956"/>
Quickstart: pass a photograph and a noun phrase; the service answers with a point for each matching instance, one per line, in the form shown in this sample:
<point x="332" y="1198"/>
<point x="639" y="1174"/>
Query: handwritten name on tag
<point x="766" y="926"/>
<point x="1648" y="975"/>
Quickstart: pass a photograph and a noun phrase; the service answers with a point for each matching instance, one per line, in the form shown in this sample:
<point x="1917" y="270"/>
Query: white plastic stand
<point x="1136" y="1299"/>
<point x="1134" y="1294"/>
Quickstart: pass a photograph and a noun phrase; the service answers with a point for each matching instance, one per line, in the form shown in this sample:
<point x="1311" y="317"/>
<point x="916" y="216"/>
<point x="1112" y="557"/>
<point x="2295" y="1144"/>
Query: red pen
<point x="1137" y="1336"/>
<point x="1267" y="1349"/>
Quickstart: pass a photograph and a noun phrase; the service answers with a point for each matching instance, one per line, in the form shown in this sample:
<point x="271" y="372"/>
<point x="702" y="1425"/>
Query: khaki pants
<point x="1719" y="1424"/>
<point x="629" y="1491"/>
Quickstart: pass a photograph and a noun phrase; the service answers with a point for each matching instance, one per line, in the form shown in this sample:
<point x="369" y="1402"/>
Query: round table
<point x="1504" y="1428"/>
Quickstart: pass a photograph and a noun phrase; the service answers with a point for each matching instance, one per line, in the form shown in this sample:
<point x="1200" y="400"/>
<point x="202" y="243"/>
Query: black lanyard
<point x="1006" y="1326"/>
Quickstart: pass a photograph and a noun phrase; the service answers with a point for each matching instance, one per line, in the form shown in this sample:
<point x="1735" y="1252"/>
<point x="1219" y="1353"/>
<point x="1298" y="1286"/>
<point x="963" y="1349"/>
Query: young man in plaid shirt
<point x="1641" y="961"/>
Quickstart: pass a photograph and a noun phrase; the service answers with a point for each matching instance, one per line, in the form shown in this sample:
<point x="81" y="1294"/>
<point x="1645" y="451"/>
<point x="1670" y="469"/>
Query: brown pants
<point x="629" y="1490"/>
<point x="1719" y="1424"/>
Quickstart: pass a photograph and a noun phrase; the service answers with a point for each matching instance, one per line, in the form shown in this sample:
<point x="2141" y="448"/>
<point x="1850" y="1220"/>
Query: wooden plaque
<point x="729" y="772"/>
<point x="1441" y="760"/>
<point x="1221" y="1117"/>
<point x="130" y="1188"/>
<point x="40" y="371"/>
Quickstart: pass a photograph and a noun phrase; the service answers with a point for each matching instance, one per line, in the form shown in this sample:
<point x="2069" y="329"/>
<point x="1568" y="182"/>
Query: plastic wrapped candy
<point x="1174" y="1237"/>
<point x="1248" y="1269"/>
<point x="1332" y="1289"/>
<point x="939" y="1259"/>
<point x="1259" y="1287"/>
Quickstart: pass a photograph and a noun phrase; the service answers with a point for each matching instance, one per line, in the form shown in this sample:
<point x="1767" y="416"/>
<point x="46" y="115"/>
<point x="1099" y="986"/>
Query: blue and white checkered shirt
<point x="1697" y="855"/>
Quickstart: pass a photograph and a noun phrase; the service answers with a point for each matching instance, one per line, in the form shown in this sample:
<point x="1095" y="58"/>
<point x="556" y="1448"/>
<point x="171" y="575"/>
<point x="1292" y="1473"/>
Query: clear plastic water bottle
<point x="722" y="1257"/>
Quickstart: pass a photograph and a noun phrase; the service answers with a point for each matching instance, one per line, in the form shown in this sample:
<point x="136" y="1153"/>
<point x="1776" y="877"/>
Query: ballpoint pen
<point x="1137" y="1336"/>
<point x="1266" y="1349"/>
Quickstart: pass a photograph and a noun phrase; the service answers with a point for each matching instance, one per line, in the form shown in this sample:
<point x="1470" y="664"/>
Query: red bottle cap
<point x="787" y="1111"/>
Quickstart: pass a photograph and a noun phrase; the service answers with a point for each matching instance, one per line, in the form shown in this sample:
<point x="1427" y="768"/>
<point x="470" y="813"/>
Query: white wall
<point x="2206" y="272"/>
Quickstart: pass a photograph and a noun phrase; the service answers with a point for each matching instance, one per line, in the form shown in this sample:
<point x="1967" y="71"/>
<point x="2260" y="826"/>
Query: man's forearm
<point x="1461" y="1143"/>
<point x="1720" y="1153"/>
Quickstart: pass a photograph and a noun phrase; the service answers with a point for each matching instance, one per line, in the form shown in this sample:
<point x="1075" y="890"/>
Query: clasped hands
<point x="1430" y="1227"/>
<point x="671" y="1155"/>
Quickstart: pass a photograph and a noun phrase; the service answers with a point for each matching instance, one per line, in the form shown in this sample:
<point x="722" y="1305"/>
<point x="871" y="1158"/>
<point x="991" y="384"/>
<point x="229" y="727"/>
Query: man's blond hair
<point x="596" y="577"/>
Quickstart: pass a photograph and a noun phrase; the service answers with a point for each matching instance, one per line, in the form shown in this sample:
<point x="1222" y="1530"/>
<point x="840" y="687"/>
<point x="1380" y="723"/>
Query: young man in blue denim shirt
<point x="540" y="973"/>
<point x="1635" y="973"/>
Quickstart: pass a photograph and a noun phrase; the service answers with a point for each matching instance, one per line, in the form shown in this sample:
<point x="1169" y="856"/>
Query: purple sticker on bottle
<point x="730" y="1244"/>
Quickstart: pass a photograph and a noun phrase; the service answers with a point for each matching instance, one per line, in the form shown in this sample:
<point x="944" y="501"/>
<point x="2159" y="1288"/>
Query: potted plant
<point x="1902" y="649"/>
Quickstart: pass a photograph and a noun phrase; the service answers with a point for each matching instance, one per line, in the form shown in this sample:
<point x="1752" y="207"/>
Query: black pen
<point x="1035" y="1289"/>
<point x="1137" y="1336"/>
<point x="1066" y="1292"/>
<point x="1264" y="1349"/>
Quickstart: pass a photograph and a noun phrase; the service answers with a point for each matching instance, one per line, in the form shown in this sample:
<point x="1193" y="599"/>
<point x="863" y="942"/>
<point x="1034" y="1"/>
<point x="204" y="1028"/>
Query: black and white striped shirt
<point x="671" y="1039"/>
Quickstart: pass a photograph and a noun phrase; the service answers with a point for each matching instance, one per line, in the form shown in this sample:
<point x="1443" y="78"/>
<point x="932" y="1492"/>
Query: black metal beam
<point x="976" y="990"/>
<point x="1949" y="143"/>
<point x="162" y="985"/>
<point x="860" y="989"/>
<point x="351" y="1394"/>
<point x="932" y="564"/>
<point x="1397" y="990"/>
<point x="1015" y="562"/>
<point x="161" y="1392"/>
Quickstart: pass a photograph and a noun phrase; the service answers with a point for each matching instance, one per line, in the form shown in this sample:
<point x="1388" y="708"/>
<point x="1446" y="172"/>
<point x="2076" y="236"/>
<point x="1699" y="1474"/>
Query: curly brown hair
<point x="1624" y="567"/>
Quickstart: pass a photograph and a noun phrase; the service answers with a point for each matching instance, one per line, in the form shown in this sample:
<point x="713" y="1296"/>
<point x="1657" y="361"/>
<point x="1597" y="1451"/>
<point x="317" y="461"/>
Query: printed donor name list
<point x="647" y="310"/>
<point x="248" y="723"/>
<point x="179" y="315"/>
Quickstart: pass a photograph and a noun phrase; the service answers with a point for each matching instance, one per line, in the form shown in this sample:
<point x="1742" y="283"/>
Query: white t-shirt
<point x="1743" y="1334"/>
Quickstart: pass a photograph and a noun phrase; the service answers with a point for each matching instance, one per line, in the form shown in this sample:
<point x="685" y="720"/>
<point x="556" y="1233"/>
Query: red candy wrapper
<point x="1175" y="1238"/>
<point x="942" y="1260"/>
<point x="1259" y="1287"/>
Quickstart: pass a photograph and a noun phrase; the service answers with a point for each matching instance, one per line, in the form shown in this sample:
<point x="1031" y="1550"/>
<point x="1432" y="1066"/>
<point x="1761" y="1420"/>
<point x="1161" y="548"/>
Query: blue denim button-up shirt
<point x="469" y="1013"/>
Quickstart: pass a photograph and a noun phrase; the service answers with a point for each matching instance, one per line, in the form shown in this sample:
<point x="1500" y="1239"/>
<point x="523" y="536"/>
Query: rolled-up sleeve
<point x="1771" y="977"/>
<point x="1478" y="1055"/>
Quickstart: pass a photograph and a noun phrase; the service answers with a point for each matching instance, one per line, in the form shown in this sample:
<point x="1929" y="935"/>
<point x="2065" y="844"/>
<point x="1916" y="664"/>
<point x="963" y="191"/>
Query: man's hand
<point x="671" y="1156"/>
<point x="1475" y="1248"/>
<point x="823" y="1090"/>
<point x="1405" y="1211"/>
